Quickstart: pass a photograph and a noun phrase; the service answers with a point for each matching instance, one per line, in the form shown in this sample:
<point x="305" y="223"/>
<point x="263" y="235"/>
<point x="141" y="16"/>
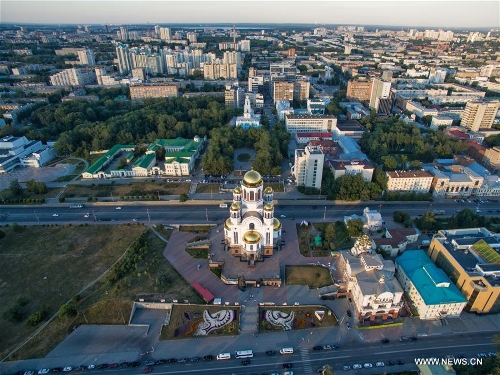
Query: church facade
<point x="252" y="232"/>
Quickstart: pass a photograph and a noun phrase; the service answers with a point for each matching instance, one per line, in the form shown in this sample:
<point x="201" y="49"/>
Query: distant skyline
<point x="443" y="13"/>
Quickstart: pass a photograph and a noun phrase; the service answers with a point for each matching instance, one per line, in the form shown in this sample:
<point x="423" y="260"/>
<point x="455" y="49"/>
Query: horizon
<point x="389" y="13"/>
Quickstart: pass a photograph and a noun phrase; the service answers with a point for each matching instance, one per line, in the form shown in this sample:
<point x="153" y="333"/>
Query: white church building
<point x="249" y="118"/>
<point x="251" y="231"/>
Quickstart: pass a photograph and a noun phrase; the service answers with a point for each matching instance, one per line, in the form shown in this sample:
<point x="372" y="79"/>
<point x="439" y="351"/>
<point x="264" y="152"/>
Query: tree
<point x="183" y="197"/>
<point x="160" y="153"/>
<point x="35" y="318"/>
<point x="15" y="187"/>
<point x="400" y="216"/>
<point x="67" y="310"/>
<point x="35" y="187"/>
<point x="330" y="233"/>
<point x="355" y="227"/>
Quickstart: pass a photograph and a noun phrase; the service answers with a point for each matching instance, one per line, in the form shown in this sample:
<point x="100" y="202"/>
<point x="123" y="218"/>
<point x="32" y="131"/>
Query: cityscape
<point x="248" y="188"/>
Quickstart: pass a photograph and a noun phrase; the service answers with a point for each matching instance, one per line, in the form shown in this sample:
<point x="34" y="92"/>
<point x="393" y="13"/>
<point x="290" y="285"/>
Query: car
<point x="348" y="325"/>
<point x="400" y="362"/>
<point x="271" y="352"/>
<point x="288" y="373"/>
<point x="346" y="367"/>
<point x="148" y="363"/>
<point x="44" y="371"/>
<point x="80" y="368"/>
<point x="327" y="347"/>
<point x="118" y="208"/>
<point x="208" y="358"/>
<point x="29" y="372"/>
<point x="481" y="355"/>
<point x="182" y="360"/>
<point x="194" y="359"/>
<point x="161" y="362"/>
<point x="357" y="366"/>
<point x="102" y="365"/>
<point x="147" y="370"/>
<point x="336" y="346"/>
<point x="55" y="215"/>
<point x="90" y="367"/>
<point x="492" y="354"/>
<point x="282" y="216"/>
<point x="124" y="365"/>
<point x="380" y="364"/>
<point x="385" y="341"/>
<point x="390" y="363"/>
<point x="86" y="215"/>
<point x="114" y="365"/>
<point x="68" y="369"/>
<point x="367" y="365"/>
<point x="55" y="369"/>
<point x="245" y="362"/>
<point x="413" y="338"/>
<point x="318" y="347"/>
<point x="135" y="364"/>
<point x="403" y="338"/>
<point x="349" y="314"/>
<point x="135" y="220"/>
<point x="287" y="365"/>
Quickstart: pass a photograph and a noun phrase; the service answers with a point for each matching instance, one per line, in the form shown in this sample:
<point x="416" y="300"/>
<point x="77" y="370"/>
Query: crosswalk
<point x="306" y="361"/>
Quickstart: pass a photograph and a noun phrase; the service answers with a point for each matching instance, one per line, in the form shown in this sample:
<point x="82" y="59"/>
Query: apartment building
<point x="217" y="69"/>
<point x="308" y="167"/>
<point x="380" y="90"/>
<point x="479" y="115"/>
<point x="73" y="77"/>
<point x="409" y="181"/>
<point x="470" y="258"/>
<point x="430" y="292"/>
<point x="359" y="90"/>
<point x="153" y="91"/>
<point x="310" y="123"/>
<point x="283" y="90"/>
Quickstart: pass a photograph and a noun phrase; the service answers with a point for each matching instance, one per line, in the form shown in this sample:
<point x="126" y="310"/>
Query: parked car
<point x="385" y="341"/>
<point x="44" y="371"/>
<point x="287" y="365"/>
<point x="68" y="369"/>
<point x="208" y="358"/>
<point x="147" y="370"/>
<point x="271" y="352"/>
<point x="318" y="347"/>
<point x="245" y="362"/>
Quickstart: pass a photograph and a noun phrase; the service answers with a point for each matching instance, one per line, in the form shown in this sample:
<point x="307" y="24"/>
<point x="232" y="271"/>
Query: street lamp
<point x="93" y="214"/>
<point x="149" y="217"/>
<point x="206" y="213"/>
<point x="324" y="214"/>
<point x="158" y="194"/>
<point x="36" y="217"/>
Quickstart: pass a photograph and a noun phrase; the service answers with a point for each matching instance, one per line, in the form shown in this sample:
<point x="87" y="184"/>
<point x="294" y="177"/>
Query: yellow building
<point x="470" y="257"/>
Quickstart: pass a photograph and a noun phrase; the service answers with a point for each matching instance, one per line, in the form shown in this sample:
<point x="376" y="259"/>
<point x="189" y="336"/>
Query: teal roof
<point x="107" y="156"/>
<point x="145" y="160"/>
<point x="183" y="143"/>
<point x="431" y="282"/>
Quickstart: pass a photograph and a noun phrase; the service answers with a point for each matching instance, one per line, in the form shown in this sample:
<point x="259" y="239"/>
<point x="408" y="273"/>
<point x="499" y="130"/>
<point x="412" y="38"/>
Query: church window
<point x="251" y="226"/>
<point x="251" y="196"/>
<point x="235" y="238"/>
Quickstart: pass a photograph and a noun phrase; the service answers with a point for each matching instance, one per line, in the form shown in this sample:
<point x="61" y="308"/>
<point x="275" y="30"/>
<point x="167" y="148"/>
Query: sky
<point x="426" y="13"/>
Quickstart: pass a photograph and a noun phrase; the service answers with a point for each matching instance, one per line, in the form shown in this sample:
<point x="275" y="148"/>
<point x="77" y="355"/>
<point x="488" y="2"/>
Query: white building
<point x="409" y="181"/>
<point x="479" y="115"/>
<point x="252" y="232"/>
<point x="14" y="149"/>
<point x="283" y="108"/>
<point x="73" y="77"/>
<point x="430" y="291"/>
<point x="380" y="90"/>
<point x="455" y="181"/>
<point x="375" y="292"/>
<point x="352" y="167"/>
<point x="310" y="123"/>
<point x="440" y="120"/>
<point x="308" y="167"/>
<point x="249" y="118"/>
<point x="86" y="57"/>
<point x="419" y="110"/>
<point x="372" y="219"/>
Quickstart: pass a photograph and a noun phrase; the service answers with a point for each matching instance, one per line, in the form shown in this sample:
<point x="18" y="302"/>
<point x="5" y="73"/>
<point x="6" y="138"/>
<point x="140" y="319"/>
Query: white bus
<point x="244" y="354"/>
<point x="286" y="351"/>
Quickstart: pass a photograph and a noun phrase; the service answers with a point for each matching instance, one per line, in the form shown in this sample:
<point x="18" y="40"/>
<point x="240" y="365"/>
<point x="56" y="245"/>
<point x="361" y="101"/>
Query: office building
<point x="409" y="181"/>
<point x="308" y="167"/>
<point x="479" y="115"/>
<point x="359" y="90"/>
<point x="316" y="106"/>
<point x="310" y="123"/>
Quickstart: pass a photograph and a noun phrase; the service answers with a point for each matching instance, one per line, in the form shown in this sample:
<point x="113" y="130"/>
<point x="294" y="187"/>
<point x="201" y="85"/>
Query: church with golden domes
<point x="252" y="232"/>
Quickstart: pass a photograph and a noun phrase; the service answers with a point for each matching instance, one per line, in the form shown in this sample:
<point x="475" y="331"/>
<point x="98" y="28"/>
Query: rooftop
<point x="433" y="285"/>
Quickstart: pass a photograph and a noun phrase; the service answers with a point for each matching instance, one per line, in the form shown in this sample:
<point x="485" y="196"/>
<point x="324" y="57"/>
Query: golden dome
<point x="235" y="207"/>
<point x="252" y="237"/>
<point x="268" y="207"/>
<point x="268" y="190"/>
<point x="227" y="224"/>
<point x="276" y="224"/>
<point x="252" y="179"/>
<point x="237" y="190"/>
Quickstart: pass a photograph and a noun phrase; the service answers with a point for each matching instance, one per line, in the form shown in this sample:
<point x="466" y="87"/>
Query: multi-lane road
<point x="202" y="213"/>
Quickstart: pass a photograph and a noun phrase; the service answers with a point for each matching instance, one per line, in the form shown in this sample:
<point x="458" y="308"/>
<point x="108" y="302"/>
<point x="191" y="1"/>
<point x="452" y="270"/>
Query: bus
<point x="244" y="354"/>
<point x="438" y="212"/>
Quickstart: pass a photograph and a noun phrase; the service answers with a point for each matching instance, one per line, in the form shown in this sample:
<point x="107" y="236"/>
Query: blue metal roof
<point x="430" y="281"/>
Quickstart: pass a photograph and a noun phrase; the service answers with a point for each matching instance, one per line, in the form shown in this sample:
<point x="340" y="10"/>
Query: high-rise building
<point x="165" y="33"/>
<point x="234" y="96"/>
<point x="192" y="37"/>
<point x="232" y="57"/>
<point x="282" y="90"/>
<point x="86" y="57"/>
<point x="73" y="77"/>
<point x="123" y="33"/>
<point x="301" y="89"/>
<point x="124" y="62"/>
<point x="308" y="167"/>
<point x="380" y="90"/>
<point x="479" y="115"/>
<point x="360" y="90"/>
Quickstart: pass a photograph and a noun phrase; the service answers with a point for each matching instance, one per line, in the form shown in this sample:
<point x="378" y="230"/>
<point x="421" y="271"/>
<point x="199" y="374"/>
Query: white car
<point x="380" y="364"/>
<point x="68" y="369"/>
<point x="367" y="365"/>
<point x="346" y="368"/>
<point x="118" y="208"/>
<point x="43" y="371"/>
<point x="55" y="215"/>
<point x="91" y="367"/>
<point x="357" y="366"/>
<point x="282" y="216"/>
<point x="288" y="373"/>
<point x="86" y="215"/>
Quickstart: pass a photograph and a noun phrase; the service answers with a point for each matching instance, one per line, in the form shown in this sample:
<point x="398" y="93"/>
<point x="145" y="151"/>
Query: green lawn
<point x="312" y="276"/>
